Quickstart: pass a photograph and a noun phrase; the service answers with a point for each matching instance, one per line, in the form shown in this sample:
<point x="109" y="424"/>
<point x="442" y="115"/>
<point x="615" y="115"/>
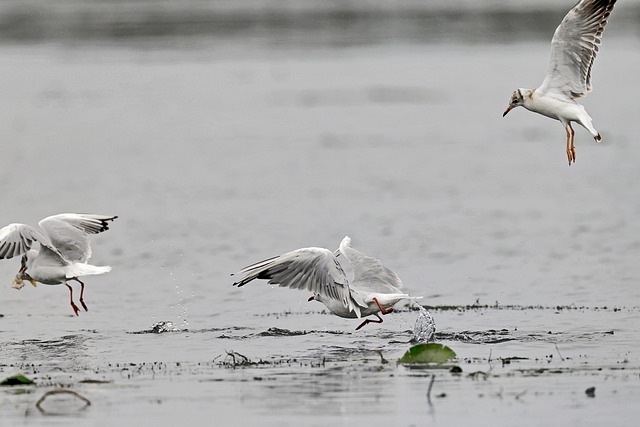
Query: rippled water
<point x="217" y="155"/>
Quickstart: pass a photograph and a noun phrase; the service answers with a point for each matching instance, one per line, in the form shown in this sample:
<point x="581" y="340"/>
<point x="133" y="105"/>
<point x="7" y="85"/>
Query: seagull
<point x="573" y="49"/>
<point x="375" y="288"/>
<point x="64" y="250"/>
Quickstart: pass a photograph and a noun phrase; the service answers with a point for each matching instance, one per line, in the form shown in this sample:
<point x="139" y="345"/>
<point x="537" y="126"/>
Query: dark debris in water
<point x="55" y="409"/>
<point x="278" y="332"/>
<point x="93" y="381"/>
<point x="497" y="336"/>
<point x="159" y="328"/>
<point x="476" y="306"/>
<point x="233" y="359"/>
<point x="291" y="313"/>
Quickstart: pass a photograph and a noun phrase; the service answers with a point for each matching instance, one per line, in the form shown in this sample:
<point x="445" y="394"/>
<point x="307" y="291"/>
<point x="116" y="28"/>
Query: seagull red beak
<point x="509" y="108"/>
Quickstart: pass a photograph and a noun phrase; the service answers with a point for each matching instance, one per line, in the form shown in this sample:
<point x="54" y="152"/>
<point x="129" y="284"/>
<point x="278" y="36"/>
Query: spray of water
<point x="424" y="328"/>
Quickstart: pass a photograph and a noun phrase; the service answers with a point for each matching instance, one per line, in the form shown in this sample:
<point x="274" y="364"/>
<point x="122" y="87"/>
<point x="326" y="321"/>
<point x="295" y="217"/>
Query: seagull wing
<point x="574" y="47"/>
<point x="369" y="274"/>
<point x="48" y="258"/>
<point x="70" y="233"/>
<point x="312" y="269"/>
<point x="17" y="239"/>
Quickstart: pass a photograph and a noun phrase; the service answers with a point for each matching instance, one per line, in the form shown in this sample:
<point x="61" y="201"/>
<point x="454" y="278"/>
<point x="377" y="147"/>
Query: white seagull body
<point x="573" y="50"/>
<point x="375" y="288"/>
<point x="64" y="250"/>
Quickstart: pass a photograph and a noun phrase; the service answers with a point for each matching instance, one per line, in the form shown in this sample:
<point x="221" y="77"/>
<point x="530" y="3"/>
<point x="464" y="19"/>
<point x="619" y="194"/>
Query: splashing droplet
<point x="165" y="326"/>
<point x="424" y="328"/>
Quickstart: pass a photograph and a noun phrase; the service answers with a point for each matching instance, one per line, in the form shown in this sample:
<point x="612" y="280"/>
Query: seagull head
<point x="517" y="99"/>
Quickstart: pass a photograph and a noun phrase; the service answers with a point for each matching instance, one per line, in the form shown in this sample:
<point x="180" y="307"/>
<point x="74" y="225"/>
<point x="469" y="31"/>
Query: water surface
<point x="217" y="153"/>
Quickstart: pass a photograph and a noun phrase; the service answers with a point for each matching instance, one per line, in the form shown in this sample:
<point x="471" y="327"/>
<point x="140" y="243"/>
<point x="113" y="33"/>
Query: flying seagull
<point x="374" y="289"/>
<point x="64" y="250"/>
<point x="573" y="49"/>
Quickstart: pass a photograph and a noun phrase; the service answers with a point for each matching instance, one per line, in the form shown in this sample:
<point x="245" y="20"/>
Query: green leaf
<point x="428" y="353"/>
<point x="16" y="380"/>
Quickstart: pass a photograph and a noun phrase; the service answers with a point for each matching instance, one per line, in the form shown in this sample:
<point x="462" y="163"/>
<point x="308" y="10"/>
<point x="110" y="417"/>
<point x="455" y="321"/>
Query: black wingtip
<point x="104" y="225"/>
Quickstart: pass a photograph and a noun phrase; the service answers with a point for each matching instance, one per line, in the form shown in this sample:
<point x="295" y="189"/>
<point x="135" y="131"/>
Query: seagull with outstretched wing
<point x="573" y="49"/>
<point x="64" y="250"/>
<point x="375" y="288"/>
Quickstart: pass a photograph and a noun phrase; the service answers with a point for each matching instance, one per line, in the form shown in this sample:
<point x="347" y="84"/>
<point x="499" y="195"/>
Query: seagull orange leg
<point x="382" y="310"/>
<point x="566" y="129"/>
<point x="73" y="305"/>
<point x="81" y="294"/>
<point x="573" y="149"/>
<point x="367" y="321"/>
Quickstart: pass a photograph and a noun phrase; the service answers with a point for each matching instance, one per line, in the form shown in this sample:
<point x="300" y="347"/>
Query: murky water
<point x="216" y="154"/>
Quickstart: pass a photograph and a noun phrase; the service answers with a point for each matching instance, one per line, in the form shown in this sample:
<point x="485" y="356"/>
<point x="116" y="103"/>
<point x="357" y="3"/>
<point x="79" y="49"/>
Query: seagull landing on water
<point x="375" y="288"/>
<point x="573" y="49"/>
<point x="64" y="250"/>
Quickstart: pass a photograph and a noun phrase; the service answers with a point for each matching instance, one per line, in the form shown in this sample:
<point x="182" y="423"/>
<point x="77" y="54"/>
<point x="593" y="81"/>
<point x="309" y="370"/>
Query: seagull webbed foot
<point x="76" y="310"/>
<point x="73" y="304"/>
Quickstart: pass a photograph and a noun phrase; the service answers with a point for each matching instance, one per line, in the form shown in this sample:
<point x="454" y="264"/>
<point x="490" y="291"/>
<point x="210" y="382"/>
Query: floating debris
<point x="159" y="328"/>
<point x="427" y="353"/>
<point x="591" y="392"/>
<point x="233" y="359"/>
<point x="86" y="402"/>
<point x="425" y="327"/>
<point x="433" y="379"/>
<point x="278" y="332"/>
<point x="16" y="380"/>
<point x="92" y="381"/>
<point x="165" y="326"/>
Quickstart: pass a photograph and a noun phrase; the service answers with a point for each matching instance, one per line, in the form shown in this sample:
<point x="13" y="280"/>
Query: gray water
<point x="219" y="151"/>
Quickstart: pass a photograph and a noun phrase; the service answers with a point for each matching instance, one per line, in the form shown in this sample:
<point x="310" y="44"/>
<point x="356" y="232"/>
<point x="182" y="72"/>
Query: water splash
<point x="164" y="326"/>
<point x="183" y="305"/>
<point x="424" y="328"/>
<point x="159" y="328"/>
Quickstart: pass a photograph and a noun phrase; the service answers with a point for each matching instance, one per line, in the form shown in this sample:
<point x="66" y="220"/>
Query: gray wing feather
<point x="574" y="47"/>
<point x="369" y="274"/>
<point x="70" y="233"/>
<point x="51" y="258"/>
<point x="17" y="239"/>
<point x="313" y="269"/>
